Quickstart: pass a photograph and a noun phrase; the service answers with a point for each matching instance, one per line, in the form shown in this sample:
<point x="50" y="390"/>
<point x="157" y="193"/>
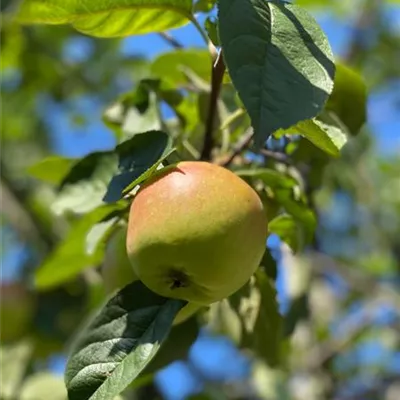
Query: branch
<point x="241" y="145"/>
<point x="280" y="157"/>
<point x="171" y="40"/>
<point x="216" y="81"/>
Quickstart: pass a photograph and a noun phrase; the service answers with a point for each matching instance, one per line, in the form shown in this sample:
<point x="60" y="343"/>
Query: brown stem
<point x="216" y="81"/>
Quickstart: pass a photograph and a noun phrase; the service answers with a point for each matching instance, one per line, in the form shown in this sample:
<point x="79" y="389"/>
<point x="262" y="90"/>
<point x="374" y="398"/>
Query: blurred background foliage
<point x="68" y="95"/>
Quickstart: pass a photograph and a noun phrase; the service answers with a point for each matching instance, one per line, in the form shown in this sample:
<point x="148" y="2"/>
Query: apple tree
<point x="264" y="100"/>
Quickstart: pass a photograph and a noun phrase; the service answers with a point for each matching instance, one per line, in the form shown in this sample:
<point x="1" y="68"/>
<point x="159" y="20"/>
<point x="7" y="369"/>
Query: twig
<point x="171" y="40"/>
<point x="280" y="157"/>
<point x="241" y="145"/>
<point x="216" y="81"/>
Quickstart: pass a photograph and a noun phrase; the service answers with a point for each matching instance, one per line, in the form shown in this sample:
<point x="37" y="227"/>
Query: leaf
<point x="135" y="112"/>
<point x="101" y="18"/>
<point x="51" y="169"/>
<point x="171" y="66"/>
<point x="138" y="159"/>
<point x="287" y="229"/>
<point x="14" y="362"/>
<point x="299" y="210"/>
<point x="349" y="98"/>
<point x="211" y="26"/>
<point x="262" y="324"/>
<point x="119" y="342"/>
<point x="270" y="177"/>
<point x="83" y="188"/>
<point x="327" y="137"/>
<point x="279" y="60"/>
<point x="43" y="386"/>
<point x="76" y="252"/>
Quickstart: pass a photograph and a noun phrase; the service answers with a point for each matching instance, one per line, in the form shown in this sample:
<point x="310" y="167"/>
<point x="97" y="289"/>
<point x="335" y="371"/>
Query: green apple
<point x="196" y="232"/>
<point x="17" y="308"/>
<point x="117" y="271"/>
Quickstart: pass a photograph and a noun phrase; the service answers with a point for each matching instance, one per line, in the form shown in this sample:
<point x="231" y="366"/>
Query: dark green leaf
<point x="269" y="265"/>
<point x="288" y="230"/>
<point x="103" y="18"/>
<point x="119" y="342"/>
<point x="138" y="159"/>
<point x="279" y="60"/>
<point x="51" y="169"/>
<point x="78" y="250"/>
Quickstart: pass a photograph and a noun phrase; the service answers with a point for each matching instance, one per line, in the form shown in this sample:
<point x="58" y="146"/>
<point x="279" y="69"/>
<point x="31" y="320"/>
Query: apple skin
<point x="117" y="271"/>
<point x="17" y="309"/>
<point x="196" y="232"/>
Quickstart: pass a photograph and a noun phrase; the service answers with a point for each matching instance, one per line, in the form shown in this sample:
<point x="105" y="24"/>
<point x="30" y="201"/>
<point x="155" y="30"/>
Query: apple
<point x="17" y="308"/>
<point x="196" y="231"/>
<point x="117" y="271"/>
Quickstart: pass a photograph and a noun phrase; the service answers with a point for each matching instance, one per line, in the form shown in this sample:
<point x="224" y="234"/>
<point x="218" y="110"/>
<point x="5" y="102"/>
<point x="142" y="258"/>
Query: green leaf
<point x="78" y="250"/>
<point x="279" y="60"/>
<point x="299" y="210"/>
<point x="261" y="322"/>
<point x="204" y="5"/>
<point x="43" y="386"/>
<point x="83" y="188"/>
<point x="134" y="112"/>
<point x="51" y="169"/>
<point x="117" y="18"/>
<point x="211" y="26"/>
<point x="327" y="137"/>
<point x="171" y="66"/>
<point x="119" y="342"/>
<point x="349" y="98"/>
<point x="138" y="159"/>
<point x="270" y="177"/>
<point x="287" y="229"/>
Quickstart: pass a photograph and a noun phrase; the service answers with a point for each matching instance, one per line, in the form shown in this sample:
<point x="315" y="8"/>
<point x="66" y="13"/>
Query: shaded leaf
<point x="77" y="252"/>
<point x="278" y="58"/>
<point x="119" y="342"/>
<point x="103" y="18"/>
<point x="138" y="159"/>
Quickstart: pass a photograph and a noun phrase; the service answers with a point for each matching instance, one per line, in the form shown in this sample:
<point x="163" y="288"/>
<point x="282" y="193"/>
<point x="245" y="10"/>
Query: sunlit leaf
<point x="52" y="169"/>
<point x="103" y="18"/>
